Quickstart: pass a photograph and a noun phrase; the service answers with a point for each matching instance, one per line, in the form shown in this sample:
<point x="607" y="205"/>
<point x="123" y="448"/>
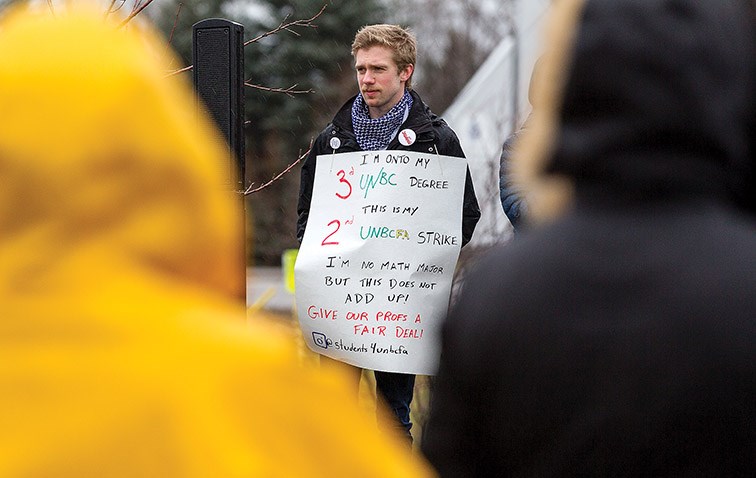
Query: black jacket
<point x="619" y="339"/>
<point x="433" y="135"/>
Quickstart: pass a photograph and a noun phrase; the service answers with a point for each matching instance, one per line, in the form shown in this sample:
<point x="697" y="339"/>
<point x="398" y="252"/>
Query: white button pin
<point x="407" y="137"/>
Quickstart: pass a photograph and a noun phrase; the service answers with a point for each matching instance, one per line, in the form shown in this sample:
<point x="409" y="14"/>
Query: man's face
<point x="380" y="81"/>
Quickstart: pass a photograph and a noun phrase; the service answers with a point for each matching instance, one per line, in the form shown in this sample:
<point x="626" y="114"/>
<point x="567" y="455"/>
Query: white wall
<point x="484" y="114"/>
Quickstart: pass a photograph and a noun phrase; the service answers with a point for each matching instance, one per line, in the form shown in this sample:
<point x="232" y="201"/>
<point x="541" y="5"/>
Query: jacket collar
<point x="420" y="119"/>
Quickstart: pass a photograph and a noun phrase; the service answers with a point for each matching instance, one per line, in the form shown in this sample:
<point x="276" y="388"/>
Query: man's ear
<point x="406" y="73"/>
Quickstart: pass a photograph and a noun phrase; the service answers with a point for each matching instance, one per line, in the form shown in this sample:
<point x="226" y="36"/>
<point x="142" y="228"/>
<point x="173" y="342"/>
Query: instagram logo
<point x="321" y="340"/>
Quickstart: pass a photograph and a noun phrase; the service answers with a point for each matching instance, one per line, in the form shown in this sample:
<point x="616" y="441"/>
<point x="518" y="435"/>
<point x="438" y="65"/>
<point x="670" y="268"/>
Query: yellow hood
<point x="105" y="164"/>
<point x="122" y="352"/>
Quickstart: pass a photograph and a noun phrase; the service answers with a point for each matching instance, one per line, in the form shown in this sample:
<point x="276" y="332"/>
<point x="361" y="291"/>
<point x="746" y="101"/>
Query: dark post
<point x="218" y="73"/>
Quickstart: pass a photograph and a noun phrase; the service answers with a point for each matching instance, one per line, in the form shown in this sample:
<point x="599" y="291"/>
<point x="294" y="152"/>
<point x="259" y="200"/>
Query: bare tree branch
<point x="175" y="22"/>
<point x="181" y="70"/>
<point x="283" y="26"/>
<point x="170" y="37"/>
<point x="111" y="9"/>
<point x="278" y="176"/>
<point x="290" y="91"/>
<point x="50" y="6"/>
<point x="289" y="26"/>
<point x="136" y="11"/>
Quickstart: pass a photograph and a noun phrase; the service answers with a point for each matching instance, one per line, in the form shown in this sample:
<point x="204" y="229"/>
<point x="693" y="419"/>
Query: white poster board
<point x="374" y="270"/>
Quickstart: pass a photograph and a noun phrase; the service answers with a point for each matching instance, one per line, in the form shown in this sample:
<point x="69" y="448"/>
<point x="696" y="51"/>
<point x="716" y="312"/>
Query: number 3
<point x="341" y="174"/>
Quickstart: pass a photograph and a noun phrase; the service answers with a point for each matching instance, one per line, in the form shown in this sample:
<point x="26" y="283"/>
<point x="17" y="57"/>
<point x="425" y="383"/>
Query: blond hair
<point x="548" y="195"/>
<point x="399" y="40"/>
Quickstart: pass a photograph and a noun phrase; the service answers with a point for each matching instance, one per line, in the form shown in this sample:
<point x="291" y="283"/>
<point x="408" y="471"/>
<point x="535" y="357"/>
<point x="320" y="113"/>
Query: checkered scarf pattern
<point x="374" y="134"/>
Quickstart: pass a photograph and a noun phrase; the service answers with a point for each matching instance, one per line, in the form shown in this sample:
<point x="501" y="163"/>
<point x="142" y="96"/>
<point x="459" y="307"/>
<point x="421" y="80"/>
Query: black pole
<point x="218" y="74"/>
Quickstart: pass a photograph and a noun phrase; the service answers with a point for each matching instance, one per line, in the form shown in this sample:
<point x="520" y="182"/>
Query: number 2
<point x="326" y="242"/>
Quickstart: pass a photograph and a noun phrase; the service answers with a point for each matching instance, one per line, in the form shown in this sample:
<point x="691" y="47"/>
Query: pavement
<point x="266" y="290"/>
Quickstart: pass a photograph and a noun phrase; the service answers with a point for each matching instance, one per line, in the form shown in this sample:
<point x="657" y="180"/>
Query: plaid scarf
<point x="374" y="134"/>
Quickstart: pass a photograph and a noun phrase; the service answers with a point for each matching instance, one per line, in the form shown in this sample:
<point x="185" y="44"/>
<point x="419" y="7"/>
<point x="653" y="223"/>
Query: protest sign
<point x="375" y="267"/>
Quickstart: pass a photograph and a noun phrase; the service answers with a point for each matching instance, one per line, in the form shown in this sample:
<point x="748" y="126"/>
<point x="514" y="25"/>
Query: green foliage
<point x="280" y="126"/>
<point x="318" y="59"/>
<point x="314" y="59"/>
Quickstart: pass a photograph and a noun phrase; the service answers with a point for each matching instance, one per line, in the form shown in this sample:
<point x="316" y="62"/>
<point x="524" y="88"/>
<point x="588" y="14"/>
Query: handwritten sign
<point x="374" y="270"/>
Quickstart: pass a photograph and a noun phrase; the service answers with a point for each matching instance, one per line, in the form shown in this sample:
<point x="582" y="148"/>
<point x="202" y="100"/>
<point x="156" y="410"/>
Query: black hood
<point x="655" y="99"/>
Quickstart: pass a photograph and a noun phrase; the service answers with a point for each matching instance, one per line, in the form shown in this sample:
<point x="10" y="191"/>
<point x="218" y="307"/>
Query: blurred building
<point x="493" y="104"/>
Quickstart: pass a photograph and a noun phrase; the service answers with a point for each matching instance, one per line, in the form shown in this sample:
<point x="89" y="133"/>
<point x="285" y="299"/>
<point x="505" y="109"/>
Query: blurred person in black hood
<point x="617" y="336"/>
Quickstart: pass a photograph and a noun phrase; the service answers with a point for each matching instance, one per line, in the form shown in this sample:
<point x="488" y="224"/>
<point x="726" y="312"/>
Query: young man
<point x="385" y="61"/>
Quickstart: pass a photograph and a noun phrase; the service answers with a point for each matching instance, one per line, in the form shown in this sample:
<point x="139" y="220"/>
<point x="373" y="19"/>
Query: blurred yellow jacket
<point x="122" y="350"/>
